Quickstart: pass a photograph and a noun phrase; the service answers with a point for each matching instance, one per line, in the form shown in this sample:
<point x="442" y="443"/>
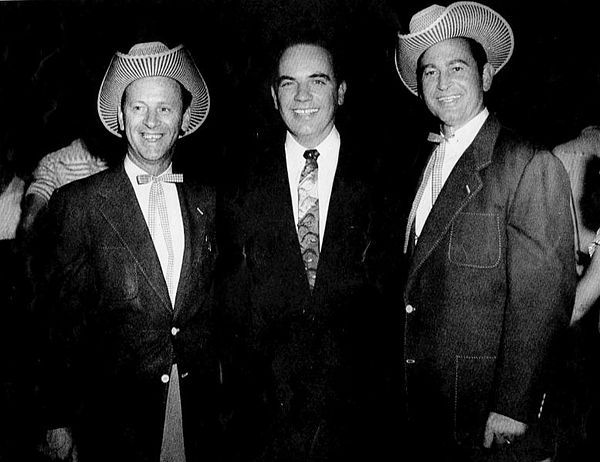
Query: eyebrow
<point x="311" y="76"/>
<point x="450" y="63"/>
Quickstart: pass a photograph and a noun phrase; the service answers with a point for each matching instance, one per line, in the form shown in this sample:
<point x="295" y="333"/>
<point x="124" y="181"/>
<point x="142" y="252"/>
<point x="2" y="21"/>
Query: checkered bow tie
<point x="165" y="177"/>
<point x="437" y="138"/>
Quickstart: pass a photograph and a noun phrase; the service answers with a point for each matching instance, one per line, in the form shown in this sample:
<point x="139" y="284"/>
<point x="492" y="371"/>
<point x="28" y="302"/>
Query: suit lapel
<point x="289" y="226"/>
<point x="338" y="208"/>
<point x="463" y="184"/>
<point x="121" y="210"/>
<point x="194" y="213"/>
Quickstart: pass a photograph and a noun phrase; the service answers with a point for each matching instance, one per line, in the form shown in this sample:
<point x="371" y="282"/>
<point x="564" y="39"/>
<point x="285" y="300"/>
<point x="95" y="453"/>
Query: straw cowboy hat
<point x="152" y="59"/>
<point x="461" y="19"/>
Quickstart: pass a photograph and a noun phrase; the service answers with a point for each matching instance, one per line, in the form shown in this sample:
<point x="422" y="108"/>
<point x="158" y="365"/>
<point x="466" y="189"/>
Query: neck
<point x="448" y="131"/>
<point x="154" y="168"/>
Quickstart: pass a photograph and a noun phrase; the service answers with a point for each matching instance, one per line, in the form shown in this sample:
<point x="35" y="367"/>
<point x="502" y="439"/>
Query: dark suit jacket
<point x="490" y="285"/>
<point x="110" y="319"/>
<point x="311" y="353"/>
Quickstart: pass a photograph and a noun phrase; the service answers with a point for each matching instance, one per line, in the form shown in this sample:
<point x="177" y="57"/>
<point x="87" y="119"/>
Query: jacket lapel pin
<point x="199" y="211"/>
<point x="468" y="189"/>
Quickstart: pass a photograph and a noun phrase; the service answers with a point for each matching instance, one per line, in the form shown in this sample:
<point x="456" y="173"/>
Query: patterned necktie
<point x="308" y="215"/>
<point x="433" y="170"/>
<point x="159" y="203"/>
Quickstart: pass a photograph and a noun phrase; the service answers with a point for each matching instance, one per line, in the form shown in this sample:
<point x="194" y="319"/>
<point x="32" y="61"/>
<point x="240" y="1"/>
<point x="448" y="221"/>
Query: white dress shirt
<point x="142" y="193"/>
<point x="455" y="148"/>
<point x="329" y="151"/>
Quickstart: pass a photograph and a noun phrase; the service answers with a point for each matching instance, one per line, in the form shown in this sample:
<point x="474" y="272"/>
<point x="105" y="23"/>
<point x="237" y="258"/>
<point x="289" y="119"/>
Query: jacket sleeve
<point x="68" y="288"/>
<point x="541" y="284"/>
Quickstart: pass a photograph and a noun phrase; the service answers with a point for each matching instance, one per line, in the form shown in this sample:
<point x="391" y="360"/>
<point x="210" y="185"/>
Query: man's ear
<point x="487" y="76"/>
<point x="274" y="96"/>
<point x="185" y="121"/>
<point x="341" y="92"/>
<point x="120" y="119"/>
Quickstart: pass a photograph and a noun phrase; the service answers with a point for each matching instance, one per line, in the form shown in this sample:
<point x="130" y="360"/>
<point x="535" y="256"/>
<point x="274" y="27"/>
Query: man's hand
<point x="502" y="430"/>
<point x="59" y="445"/>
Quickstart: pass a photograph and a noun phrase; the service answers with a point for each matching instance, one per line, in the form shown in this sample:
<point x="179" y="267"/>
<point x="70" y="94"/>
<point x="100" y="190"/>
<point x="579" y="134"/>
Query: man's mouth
<point x="305" y="111"/>
<point x="152" y="137"/>
<point x="448" y="99"/>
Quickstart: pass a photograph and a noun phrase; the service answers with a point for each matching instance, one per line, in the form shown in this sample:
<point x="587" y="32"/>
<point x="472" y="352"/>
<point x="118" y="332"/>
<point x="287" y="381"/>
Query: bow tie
<point x="165" y="177"/>
<point x="437" y="138"/>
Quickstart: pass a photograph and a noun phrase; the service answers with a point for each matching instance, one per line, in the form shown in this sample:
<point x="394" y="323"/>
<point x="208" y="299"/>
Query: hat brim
<point x="460" y="19"/>
<point x="124" y="69"/>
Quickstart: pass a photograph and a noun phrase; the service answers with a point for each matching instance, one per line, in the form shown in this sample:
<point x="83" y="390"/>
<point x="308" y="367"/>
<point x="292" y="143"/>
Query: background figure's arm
<point x="588" y="289"/>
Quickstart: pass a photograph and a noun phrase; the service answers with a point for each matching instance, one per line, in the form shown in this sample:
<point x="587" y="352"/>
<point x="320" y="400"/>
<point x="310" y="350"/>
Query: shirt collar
<point x="329" y="145"/>
<point x="467" y="133"/>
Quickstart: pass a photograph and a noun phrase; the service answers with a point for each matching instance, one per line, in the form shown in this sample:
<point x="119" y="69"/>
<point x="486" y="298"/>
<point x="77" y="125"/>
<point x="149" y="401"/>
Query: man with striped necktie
<point x="131" y="367"/>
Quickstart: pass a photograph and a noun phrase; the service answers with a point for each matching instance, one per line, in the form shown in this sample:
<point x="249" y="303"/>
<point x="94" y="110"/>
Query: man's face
<point x="307" y="94"/>
<point x="451" y="83"/>
<point x="152" y="117"/>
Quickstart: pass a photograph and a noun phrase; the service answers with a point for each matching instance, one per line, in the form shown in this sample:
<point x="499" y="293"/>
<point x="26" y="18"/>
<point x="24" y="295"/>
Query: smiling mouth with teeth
<point x="305" y="111"/>
<point x="151" y="137"/>
<point x="448" y="99"/>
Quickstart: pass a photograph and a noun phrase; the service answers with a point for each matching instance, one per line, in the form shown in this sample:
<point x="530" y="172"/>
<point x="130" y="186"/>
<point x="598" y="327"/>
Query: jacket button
<point x="165" y="378"/>
<point x="410" y="309"/>
<point x="174" y="331"/>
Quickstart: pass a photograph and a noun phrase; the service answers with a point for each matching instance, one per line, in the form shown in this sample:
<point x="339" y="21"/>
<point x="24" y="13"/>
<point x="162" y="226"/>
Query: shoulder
<point x="84" y="189"/>
<point x="587" y="143"/>
<point x="516" y="150"/>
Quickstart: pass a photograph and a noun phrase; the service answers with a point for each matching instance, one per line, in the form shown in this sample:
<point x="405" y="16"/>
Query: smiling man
<point x="490" y="271"/>
<point x="131" y="369"/>
<point x="302" y="225"/>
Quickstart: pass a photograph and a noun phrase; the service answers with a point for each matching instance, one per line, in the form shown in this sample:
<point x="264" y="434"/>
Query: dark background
<point x="53" y="55"/>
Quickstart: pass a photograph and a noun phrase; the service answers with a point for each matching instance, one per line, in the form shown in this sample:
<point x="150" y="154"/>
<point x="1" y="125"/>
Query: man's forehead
<point x="448" y="51"/>
<point x="306" y="58"/>
<point x="154" y="85"/>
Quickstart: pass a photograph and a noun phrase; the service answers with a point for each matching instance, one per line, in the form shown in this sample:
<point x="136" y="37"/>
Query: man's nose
<point x="443" y="81"/>
<point x="302" y="93"/>
<point x="151" y="119"/>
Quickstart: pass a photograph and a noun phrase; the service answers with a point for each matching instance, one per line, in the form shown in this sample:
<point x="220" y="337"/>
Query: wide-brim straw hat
<point x="461" y="19"/>
<point x="152" y="59"/>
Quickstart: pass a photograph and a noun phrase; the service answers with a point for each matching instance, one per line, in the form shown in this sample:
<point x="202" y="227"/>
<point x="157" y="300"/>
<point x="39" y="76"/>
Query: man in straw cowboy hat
<point x="490" y="274"/>
<point x="131" y="369"/>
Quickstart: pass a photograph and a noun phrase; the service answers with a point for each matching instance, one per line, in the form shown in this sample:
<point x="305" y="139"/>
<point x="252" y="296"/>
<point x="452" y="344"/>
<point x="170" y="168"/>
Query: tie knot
<point x="165" y="177"/>
<point x="311" y="154"/>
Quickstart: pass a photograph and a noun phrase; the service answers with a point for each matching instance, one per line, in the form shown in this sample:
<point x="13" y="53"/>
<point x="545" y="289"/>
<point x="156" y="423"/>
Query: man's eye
<point x="457" y="68"/>
<point x="285" y="83"/>
<point x="165" y="110"/>
<point x="319" y="82"/>
<point x="429" y="72"/>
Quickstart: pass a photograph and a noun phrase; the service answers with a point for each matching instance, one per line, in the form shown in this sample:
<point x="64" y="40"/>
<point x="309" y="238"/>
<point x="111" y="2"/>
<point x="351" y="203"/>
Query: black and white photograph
<point x="299" y="231"/>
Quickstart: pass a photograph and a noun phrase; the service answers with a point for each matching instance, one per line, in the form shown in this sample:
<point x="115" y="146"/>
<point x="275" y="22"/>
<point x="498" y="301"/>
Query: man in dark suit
<point x="301" y="228"/>
<point x="490" y="277"/>
<point x="131" y="370"/>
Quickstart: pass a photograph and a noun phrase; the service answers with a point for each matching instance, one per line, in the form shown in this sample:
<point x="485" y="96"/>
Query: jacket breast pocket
<point x="475" y="240"/>
<point x="116" y="274"/>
